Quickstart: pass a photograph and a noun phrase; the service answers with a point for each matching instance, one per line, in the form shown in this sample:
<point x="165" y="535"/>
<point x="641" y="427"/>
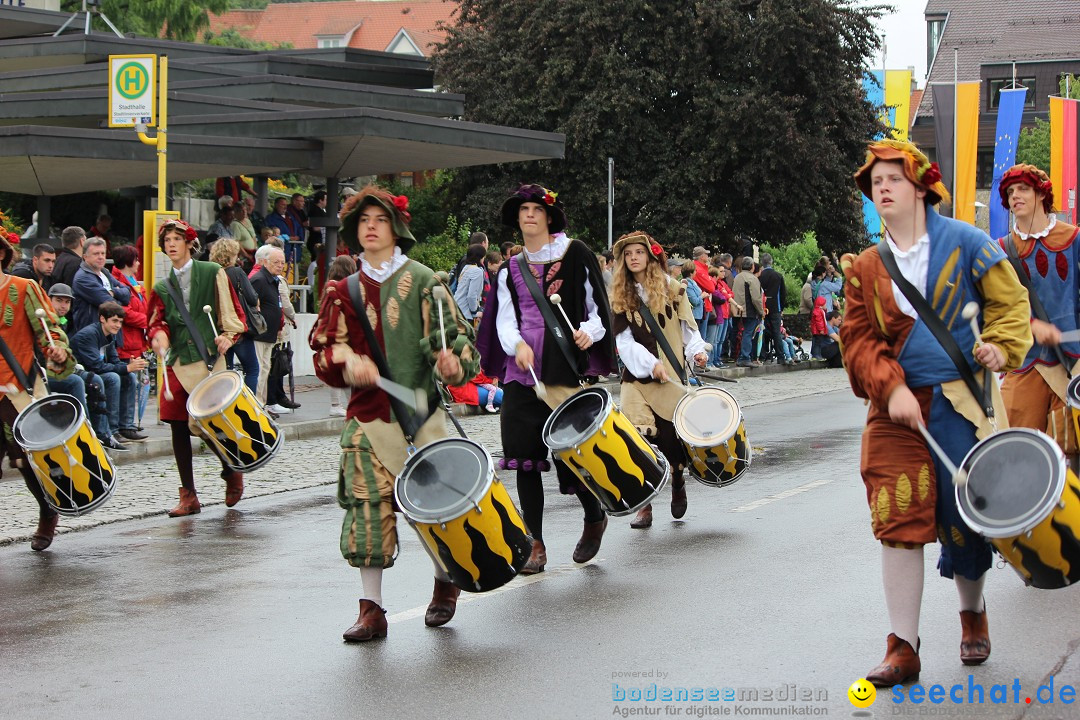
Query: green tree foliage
<point x="725" y="118"/>
<point x="232" y="38"/>
<point x="794" y="262"/>
<point x="443" y="250"/>
<point x="175" y="19"/>
<point x="1033" y="145"/>
<point x="1069" y="86"/>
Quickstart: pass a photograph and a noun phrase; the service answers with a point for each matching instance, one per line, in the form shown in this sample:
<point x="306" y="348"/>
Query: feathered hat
<point x="397" y="206"/>
<point x="1029" y="175"/>
<point x="536" y="194"/>
<point x="917" y="168"/>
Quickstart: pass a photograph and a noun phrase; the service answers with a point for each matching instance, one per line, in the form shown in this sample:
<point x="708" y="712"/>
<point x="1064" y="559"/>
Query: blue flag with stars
<point x="1010" y="112"/>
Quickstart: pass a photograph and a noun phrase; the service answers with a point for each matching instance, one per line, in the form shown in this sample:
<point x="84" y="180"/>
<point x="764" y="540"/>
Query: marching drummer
<point x="1035" y="395"/>
<point x="21" y="327"/>
<point x="910" y="381"/>
<point x="415" y="332"/>
<point x="519" y="345"/>
<point x="652" y="381"/>
<point x="191" y="341"/>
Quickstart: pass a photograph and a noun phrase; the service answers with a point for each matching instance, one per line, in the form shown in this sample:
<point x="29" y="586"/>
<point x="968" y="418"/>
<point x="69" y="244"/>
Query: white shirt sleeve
<point x="692" y="342"/>
<point x="638" y="360"/>
<point x="505" y="320"/>
<point x="593" y="326"/>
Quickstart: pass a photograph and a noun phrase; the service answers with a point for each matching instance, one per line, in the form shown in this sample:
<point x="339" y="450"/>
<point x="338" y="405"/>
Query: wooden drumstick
<point x="209" y="313"/>
<point x="165" y="376"/>
<point x="439" y="294"/>
<point x="541" y="389"/>
<point x="971" y="312"/>
<point x="40" y="312"/>
<point x="959" y="475"/>
<point x="557" y="299"/>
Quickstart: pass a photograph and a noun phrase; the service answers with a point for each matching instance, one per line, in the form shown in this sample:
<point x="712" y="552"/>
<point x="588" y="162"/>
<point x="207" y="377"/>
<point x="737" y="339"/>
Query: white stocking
<point x="372" y="579"/>
<point x="971" y="593"/>
<point x="902" y="575"/>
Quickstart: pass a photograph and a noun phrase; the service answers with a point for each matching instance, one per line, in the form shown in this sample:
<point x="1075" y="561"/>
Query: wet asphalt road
<point x="766" y="584"/>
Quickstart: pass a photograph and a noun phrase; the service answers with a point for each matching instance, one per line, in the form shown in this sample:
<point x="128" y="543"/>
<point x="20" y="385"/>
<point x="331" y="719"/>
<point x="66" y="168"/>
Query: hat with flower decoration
<point x="8" y="243"/>
<point x="917" y="168"/>
<point x="1029" y="175"/>
<point x="397" y="206"/>
<point x="640" y="237"/>
<point x="539" y="194"/>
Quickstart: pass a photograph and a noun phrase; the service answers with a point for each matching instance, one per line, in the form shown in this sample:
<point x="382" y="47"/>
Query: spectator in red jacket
<point x="126" y="271"/>
<point x="707" y="285"/>
<point x="818" y="328"/>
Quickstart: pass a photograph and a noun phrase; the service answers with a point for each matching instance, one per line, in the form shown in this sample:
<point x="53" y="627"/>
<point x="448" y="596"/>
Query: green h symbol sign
<point x="132" y="80"/>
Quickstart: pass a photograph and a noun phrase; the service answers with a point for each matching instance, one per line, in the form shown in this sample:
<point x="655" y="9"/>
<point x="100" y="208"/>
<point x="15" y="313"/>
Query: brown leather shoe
<point x="901" y="664"/>
<point x="975" y="637"/>
<point x="537" y="559"/>
<point x="234" y="487"/>
<point x="370" y="625"/>
<point x="189" y="504"/>
<point x="678" y="498"/>
<point x="643" y="519"/>
<point x="46" y="530"/>
<point x="443" y="603"/>
<point x="589" y="544"/>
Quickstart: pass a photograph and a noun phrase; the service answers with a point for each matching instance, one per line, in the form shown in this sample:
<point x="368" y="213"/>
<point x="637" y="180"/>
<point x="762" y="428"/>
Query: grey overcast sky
<point x="905" y="37"/>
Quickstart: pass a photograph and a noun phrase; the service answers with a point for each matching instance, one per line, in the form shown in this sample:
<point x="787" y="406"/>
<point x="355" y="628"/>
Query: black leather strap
<point x="658" y="335"/>
<point x="20" y="374"/>
<point x="405" y="418"/>
<point x="550" y="320"/>
<point x="193" y="330"/>
<point x="1037" y="307"/>
<point x="937" y="327"/>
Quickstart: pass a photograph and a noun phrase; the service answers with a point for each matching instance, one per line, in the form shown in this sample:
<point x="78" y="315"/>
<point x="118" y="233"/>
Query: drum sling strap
<point x="1037" y="307"/>
<point x="196" y="336"/>
<point x="658" y="334"/>
<point x="407" y="420"/>
<point x="937" y="327"/>
<point x="20" y="374"/>
<point x="550" y="320"/>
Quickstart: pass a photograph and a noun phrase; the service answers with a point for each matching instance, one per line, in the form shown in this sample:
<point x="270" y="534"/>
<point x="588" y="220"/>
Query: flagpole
<point x="956" y="123"/>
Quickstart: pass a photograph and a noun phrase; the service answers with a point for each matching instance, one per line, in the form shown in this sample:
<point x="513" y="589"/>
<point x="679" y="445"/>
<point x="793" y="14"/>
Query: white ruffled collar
<point x="385" y="269"/>
<point x="1039" y="235"/>
<point x="551" y="251"/>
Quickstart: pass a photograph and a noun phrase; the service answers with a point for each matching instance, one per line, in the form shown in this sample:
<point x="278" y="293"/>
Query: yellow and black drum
<point x="68" y="460"/>
<point x="1072" y="397"/>
<point x="606" y="452"/>
<point x="465" y="518"/>
<point x="232" y="419"/>
<point x="710" y="424"/>
<point x="1021" y="494"/>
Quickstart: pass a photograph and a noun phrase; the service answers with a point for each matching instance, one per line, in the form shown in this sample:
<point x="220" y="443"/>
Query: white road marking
<point x="781" y="495"/>
<point x="550" y="572"/>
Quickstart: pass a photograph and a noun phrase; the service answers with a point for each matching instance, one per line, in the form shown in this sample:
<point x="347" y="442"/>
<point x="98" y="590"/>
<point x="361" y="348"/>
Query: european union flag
<point x="1010" y="112"/>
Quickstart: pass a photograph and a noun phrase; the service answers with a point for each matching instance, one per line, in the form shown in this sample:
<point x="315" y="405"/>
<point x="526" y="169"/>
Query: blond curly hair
<point x="624" y="296"/>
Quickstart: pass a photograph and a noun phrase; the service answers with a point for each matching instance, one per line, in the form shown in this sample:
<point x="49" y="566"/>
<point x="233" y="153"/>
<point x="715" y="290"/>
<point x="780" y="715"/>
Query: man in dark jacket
<point x="265" y="282"/>
<point x="95" y="349"/>
<point x="70" y="256"/>
<point x="772" y="284"/>
<point x="93" y="286"/>
<point x="38" y="268"/>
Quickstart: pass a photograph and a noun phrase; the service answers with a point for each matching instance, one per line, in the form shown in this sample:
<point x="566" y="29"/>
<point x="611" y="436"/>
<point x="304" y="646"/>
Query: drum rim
<point x="1072" y="393"/>
<point x="696" y="440"/>
<point x="1030" y="518"/>
<point x="464" y="505"/>
<point x="70" y="432"/>
<point x="607" y="409"/>
<point x="214" y="375"/>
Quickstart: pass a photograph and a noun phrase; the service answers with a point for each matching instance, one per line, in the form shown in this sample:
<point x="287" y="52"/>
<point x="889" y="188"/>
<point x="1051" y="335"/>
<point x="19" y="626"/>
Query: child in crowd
<point x="818" y="328"/>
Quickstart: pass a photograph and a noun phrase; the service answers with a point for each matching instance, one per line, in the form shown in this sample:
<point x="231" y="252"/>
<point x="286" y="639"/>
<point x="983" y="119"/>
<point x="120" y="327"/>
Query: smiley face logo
<point x="862" y="693"/>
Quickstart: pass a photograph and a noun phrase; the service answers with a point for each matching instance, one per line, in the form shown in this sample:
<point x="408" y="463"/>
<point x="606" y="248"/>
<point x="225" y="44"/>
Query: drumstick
<point x="165" y="375"/>
<point x="959" y="475"/>
<point x="557" y="299"/>
<point x="971" y="312"/>
<point x="439" y="293"/>
<point x="40" y="312"/>
<point x="208" y="310"/>
<point x="541" y="390"/>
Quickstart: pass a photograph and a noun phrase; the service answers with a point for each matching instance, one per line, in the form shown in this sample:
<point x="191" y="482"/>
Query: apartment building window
<point x="330" y="42"/>
<point x="934" y="28"/>
<point x="996" y="86"/>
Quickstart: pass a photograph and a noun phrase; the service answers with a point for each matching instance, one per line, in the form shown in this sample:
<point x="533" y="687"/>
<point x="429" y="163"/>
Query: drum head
<point x="1015" y="478"/>
<point x="214" y="393"/>
<point x="577" y="419"/>
<point x="707" y="416"/>
<point x="48" y="422"/>
<point x="1072" y="393"/>
<point x="442" y="479"/>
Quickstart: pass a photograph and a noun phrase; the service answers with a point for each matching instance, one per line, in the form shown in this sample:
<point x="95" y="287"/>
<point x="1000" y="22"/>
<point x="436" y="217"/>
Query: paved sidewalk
<point x="308" y="457"/>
